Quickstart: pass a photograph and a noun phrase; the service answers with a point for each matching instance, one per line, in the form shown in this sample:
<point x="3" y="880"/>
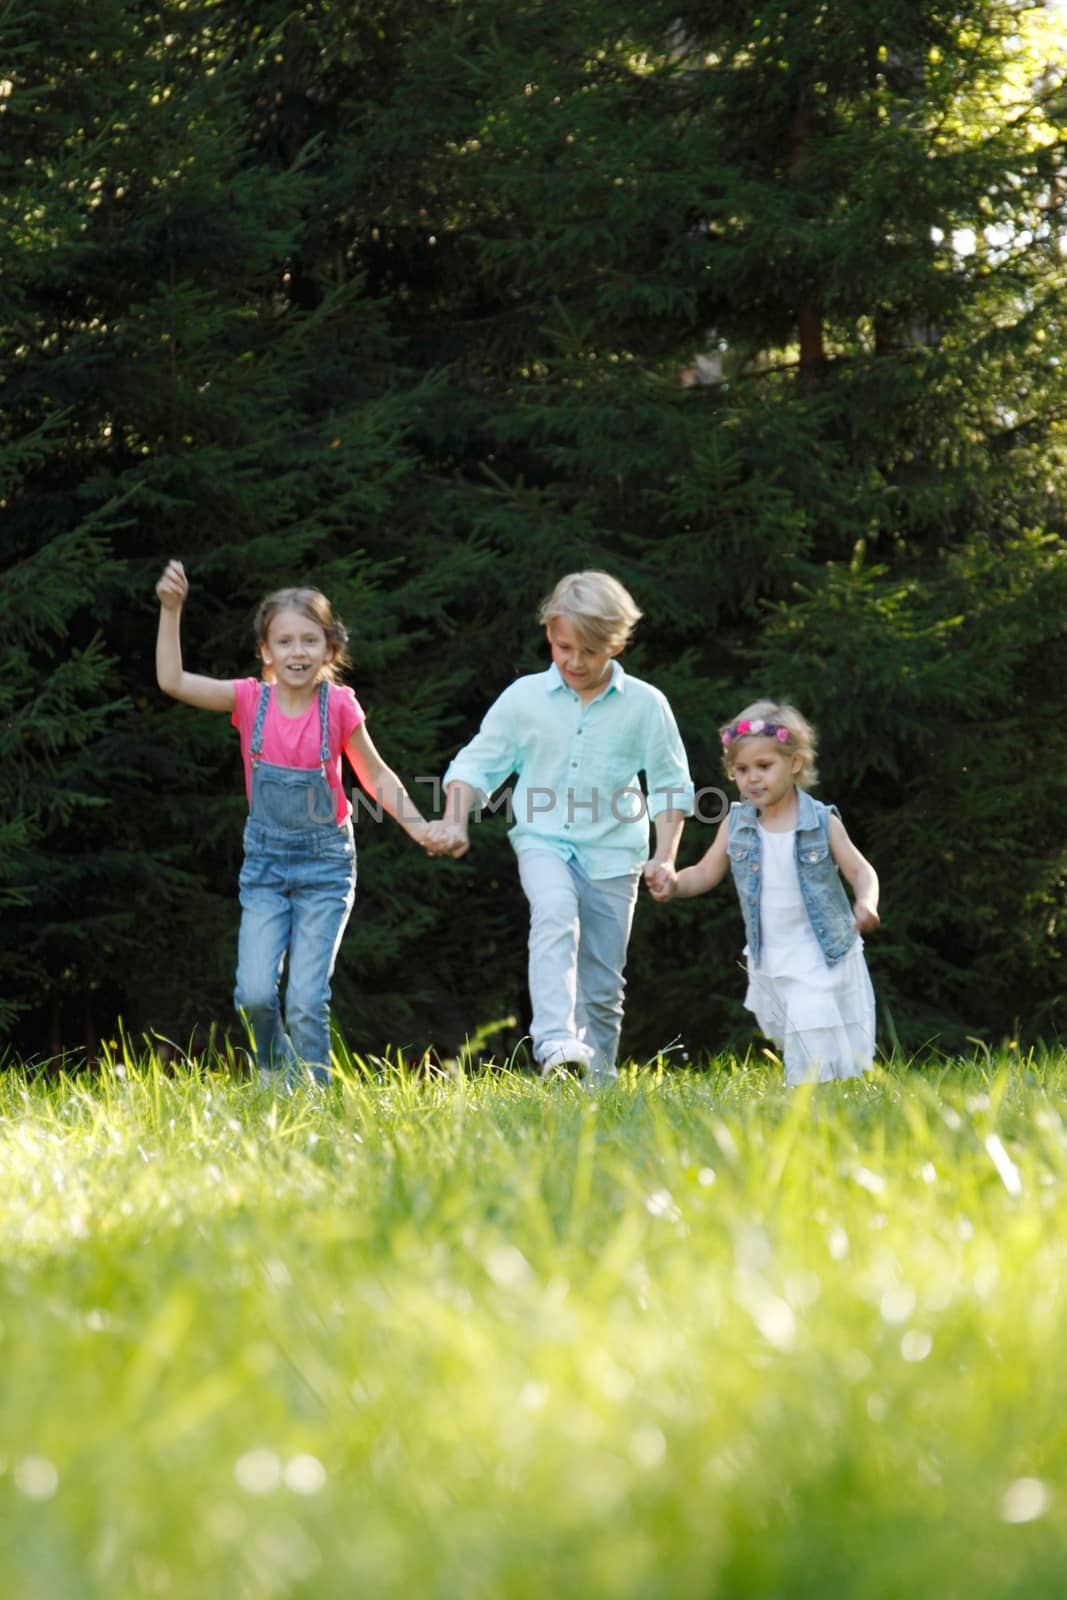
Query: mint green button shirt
<point x="577" y="766"/>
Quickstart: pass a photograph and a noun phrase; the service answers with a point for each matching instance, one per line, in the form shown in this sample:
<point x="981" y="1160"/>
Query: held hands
<point x="661" y="878"/>
<point x="173" y="587"/>
<point x="865" y="917"/>
<point x="443" y="838"/>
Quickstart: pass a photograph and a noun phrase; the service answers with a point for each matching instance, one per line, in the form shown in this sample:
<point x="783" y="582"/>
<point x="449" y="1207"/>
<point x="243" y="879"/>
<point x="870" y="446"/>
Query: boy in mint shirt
<point x="577" y="735"/>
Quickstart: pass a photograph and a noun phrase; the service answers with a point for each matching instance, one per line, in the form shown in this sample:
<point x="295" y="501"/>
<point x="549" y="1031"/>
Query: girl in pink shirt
<point x="298" y="880"/>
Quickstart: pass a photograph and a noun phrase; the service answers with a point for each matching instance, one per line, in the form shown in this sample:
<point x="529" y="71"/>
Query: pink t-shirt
<point x="294" y="741"/>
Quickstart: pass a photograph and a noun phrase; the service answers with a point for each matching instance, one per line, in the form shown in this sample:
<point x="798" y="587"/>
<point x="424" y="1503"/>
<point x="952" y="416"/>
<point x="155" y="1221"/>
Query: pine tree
<point x="204" y="411"/>
<point x="721" y="333"/>
<point x="430" y="304"/>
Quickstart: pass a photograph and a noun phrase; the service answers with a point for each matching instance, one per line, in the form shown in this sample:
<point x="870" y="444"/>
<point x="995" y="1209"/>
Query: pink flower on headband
<point x="757" y="725"/>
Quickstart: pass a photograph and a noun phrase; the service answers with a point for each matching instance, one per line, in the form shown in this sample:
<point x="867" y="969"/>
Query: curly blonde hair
<point x="773" y="719"/>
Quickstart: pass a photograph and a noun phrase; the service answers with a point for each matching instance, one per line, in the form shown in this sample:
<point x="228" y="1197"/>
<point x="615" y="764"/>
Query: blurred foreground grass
<point x="473" y="1337"/>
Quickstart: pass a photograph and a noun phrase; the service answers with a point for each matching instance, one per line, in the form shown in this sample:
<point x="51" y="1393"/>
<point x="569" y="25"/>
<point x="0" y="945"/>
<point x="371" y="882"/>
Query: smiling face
<point x="585" y="669"/>
<point x="296" y="649"/>
<point x="764" y="773"/>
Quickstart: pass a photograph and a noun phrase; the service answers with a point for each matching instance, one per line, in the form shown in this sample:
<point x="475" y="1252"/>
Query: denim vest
<point x="825" y="900"/>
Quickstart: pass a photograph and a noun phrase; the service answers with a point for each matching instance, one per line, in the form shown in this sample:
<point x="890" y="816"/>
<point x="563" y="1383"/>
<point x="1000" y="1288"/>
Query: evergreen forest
<point x="758" y="305"/>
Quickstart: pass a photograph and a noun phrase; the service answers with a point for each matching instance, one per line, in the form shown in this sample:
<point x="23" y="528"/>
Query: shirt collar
<point x="617" y="681"/>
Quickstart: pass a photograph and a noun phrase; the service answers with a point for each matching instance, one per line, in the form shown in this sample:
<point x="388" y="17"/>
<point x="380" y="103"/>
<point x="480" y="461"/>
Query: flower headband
<point x="766" y="730"/>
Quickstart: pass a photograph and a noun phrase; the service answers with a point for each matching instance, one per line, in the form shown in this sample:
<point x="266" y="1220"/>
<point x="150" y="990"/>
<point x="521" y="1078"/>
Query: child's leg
<point x="607" y="912"/>
<point x="266" y="916"/>
<point x="551" y="888"/>
<point x="324" y="888"/>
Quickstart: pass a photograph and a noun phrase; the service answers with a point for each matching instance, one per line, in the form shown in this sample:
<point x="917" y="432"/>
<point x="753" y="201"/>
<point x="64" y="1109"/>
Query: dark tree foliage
<point x="758" y="306"/>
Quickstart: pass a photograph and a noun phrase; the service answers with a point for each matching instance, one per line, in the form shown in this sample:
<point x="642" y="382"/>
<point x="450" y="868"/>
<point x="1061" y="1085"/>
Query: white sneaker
<point x="570" y="1053"/>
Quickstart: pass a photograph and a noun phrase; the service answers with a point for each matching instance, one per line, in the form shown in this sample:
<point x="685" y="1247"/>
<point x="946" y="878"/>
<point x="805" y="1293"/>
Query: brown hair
<point x="314" y="604"/>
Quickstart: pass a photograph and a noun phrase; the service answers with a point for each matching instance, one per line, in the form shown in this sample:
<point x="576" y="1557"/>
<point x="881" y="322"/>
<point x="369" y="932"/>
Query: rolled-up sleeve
<point x="492" y="755"/>
<point x="670" y="787"/>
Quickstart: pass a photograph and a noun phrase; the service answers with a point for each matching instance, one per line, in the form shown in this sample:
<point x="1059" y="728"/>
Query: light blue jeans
<point x="297" y="887"/>
<point x="579" y="932"/>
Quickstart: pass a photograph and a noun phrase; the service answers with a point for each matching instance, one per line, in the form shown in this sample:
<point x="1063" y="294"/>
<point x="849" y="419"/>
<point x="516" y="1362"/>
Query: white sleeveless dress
<point x="820" y="1017"/>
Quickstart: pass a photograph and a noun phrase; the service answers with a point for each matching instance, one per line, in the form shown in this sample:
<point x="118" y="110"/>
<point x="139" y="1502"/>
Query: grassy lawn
<point x="487" y="1337"/>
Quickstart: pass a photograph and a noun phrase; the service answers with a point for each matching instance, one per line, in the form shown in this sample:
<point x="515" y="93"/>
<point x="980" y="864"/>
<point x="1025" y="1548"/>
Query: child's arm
<point x="665" y="883"/>
<point x="485" y="761"/>
<point x="669" y="825"/>
<point x="212" y="694"/>
<point x="667" y="775"/>
<point x="860" y="874"/>
<point x="379" y="779"/>
<point x="451" y="833"/>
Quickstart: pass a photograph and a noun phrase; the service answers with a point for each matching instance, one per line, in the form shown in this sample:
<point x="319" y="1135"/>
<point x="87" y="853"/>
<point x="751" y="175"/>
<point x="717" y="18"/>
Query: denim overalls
<point x="297" y="886"/>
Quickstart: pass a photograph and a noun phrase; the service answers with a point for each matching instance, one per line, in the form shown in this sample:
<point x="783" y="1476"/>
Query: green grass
<point x="474" y="1337"/>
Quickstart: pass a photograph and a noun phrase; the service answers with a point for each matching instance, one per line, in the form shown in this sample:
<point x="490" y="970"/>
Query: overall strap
<point x="324" y="728"/>
<point x="261" y="716"/>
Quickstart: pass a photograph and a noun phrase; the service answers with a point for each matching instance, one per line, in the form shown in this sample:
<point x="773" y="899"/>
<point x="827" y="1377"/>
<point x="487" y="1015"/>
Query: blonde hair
<point x="601" y="611"/>
<point x="771" y="719"/>
<point x="311" y="603"/>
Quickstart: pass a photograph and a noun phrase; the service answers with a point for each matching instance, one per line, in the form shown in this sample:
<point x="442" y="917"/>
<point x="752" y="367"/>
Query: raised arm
<point x="212" y="694"/>
<point x="861" y="876"/>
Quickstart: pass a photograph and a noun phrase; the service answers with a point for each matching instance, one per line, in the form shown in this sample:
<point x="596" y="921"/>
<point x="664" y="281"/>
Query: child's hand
<point x="445" y="839"/>
<point x="173" y="587"/>
<point x="457" y="841"/>
<point x="661" y="878"/>
<point x="865" y="917"/>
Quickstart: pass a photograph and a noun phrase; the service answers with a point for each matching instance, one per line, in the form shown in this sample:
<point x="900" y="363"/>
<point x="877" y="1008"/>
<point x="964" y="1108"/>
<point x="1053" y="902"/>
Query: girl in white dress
<point x="808" y="984"/>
